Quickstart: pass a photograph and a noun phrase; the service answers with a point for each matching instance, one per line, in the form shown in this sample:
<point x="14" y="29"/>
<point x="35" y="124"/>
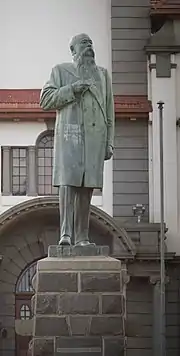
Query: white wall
<point x="178" y="137"/>
<point x="35" y="36"/>
<point x="165" y="89"/>
<point x="20" y="133"/>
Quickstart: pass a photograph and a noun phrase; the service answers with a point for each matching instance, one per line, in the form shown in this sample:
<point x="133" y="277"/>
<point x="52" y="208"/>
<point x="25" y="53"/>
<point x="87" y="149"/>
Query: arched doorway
<point x="23" y="312"/>
<point x="26" y="231"/>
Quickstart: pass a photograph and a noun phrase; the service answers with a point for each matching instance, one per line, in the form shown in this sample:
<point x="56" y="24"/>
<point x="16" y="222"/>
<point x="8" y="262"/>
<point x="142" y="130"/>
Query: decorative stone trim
<point x="153" y="66"/>
<point x="165" y="7"/>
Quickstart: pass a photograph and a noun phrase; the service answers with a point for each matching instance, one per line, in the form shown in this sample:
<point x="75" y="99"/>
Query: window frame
<point x="44" y="134"/>
<point x="7" y="171"/>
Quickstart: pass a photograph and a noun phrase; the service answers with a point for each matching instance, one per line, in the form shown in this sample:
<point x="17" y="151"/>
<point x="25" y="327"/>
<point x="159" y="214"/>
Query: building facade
<point x="138" y="41"/>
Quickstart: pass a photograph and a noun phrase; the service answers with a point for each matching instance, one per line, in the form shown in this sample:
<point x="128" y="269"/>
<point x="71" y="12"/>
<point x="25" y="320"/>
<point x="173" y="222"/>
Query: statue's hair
<point x="76" y="39"/>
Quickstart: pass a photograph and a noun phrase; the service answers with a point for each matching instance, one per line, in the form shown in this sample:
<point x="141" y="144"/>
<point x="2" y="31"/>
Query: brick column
<point x="79" y="304"/>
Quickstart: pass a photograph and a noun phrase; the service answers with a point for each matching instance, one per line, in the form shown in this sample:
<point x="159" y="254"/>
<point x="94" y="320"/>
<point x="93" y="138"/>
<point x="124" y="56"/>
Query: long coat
<point x="84" y="127"/>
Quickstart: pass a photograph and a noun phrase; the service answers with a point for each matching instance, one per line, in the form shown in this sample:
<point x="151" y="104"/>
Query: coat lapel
<point x="97" y="93"/>
<point x="95" y="88"/>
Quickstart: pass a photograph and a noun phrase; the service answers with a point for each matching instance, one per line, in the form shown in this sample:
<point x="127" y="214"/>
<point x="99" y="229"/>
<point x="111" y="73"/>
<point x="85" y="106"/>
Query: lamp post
<point x="162" y="237"/>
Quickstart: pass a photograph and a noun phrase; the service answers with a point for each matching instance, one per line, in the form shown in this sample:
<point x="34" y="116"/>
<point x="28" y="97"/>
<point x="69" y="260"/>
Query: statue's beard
<point x="86" y="65"/>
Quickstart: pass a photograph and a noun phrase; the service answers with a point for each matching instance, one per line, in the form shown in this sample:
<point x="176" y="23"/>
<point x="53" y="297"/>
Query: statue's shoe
<point x="65" y="241"/>
<point x="85" y="243"/>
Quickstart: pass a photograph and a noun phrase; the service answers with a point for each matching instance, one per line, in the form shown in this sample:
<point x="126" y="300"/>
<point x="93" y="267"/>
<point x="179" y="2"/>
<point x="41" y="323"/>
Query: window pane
<point x="48" y="152"/>
<point x="48" y="180"/>
<point x="41" y="170"/>
<point x="16" y="180"/>
<point x="16" y="171"/>
<point x="15" y="152"/>
<point x="22" y="152"/>
<point x="22" y="180"/>
<point x="48" y="189"/>
<point x="22" y="190"/>
<point x="25" y="312"/>
<point x="41" y="162"/>
<point x="22" y="161"/>
<point x="41" y="190"/>
<point x="40" y="152"/>
<point x="47" y="161"/>
<point x="23" y="171"/>
<point x="16" y="162"/>
<point x="49" y="144"/>
<point x="54" y="190"/>
<point x="48" y="171"/>
<point x="15" y="188"/>
<point x="41" y="179"/>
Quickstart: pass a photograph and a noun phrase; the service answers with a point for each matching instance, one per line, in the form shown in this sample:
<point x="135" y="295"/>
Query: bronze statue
<point x="81" y="94"/>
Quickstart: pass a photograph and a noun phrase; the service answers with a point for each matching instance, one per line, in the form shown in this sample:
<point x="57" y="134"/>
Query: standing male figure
<point x="81" y="94"/>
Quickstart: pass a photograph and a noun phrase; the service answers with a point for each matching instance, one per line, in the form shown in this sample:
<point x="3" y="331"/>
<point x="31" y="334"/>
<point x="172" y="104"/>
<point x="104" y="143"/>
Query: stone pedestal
<point x="79" y="305"/>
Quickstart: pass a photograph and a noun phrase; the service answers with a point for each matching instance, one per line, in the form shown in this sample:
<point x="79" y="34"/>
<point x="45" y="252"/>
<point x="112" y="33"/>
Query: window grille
<point x="25" y="312"/>
<point x="24" y="283"/>
<point x="45" y="165"/>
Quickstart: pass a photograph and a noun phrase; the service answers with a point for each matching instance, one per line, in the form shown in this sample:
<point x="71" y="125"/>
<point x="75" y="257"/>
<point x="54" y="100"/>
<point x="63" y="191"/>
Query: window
<point x="19" y="171"/>
<point x="14" y="171"/>
<point x="45" y="164"/>
<point x="24" y="284"/>
<point x="25" y="312"/>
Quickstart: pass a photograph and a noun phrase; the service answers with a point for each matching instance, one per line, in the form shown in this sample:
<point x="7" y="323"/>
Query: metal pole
<point x="162" y="237"/>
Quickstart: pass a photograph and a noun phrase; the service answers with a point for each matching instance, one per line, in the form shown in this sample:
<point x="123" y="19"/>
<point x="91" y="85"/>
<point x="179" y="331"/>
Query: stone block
<point x="57" y="282"/>
<point x="51" y="326"/>
<point x="79" y="325"/>
<point x="80" y="352"/>
<point x="81" y="263"/>
<point x="78" y="341"/>
<point x="64" y="251"/>
<point x="112" y="304"/>
<point x="78" y="346"/>
<point x="46" y="304"/>
<point x="113" y="346"/>
<point x="43" y="347"/>
<point x="100" y="282"/>
<point x="106" y="325"/>
<point x="78" y="304"/>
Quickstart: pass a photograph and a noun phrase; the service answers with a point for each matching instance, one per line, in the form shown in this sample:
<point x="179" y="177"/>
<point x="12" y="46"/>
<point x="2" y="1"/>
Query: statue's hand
<point x="109" y="152"/>
<point x="80" y="86"/>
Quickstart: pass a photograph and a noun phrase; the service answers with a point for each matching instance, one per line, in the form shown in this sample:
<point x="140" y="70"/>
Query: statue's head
<point x="82" y="46"/>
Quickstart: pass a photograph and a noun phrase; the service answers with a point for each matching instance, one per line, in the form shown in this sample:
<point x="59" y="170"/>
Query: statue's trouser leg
<point x="66" y="205"/>
<point x="81" y="213"/>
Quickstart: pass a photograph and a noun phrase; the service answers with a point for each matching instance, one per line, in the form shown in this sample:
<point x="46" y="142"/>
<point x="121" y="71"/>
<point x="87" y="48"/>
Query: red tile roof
<point x="132" y="105"/>
<point x="165" y="6"/>
<point x="24" y="104"/>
